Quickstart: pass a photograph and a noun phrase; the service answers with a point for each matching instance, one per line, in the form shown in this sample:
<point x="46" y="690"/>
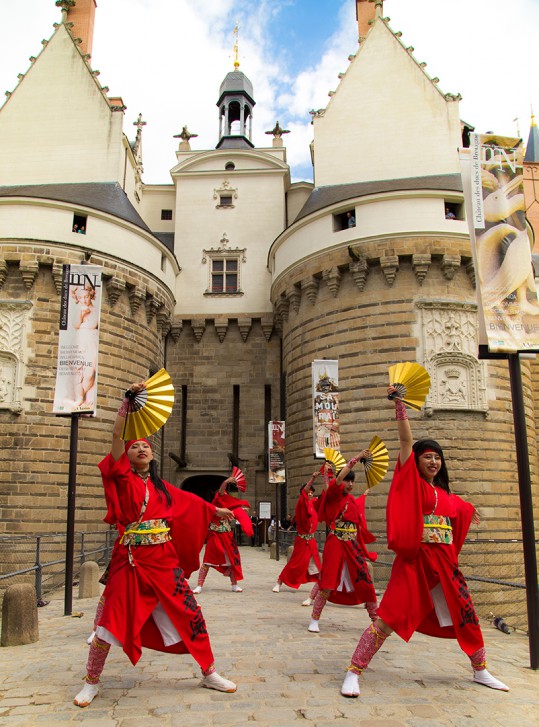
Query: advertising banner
<point x="325" y="379"/>
<point x="78" y="343"/>
<point x="502" y="247"/>
<point x="276" y="439"/>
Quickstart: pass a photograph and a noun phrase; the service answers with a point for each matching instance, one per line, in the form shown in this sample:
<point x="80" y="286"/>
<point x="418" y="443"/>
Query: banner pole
<point x="277" y="520"/>
<point x="70" y="526"/>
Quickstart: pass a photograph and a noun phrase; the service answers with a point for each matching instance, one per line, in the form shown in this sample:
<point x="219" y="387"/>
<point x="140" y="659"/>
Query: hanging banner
<point x="78" y="342"/>
<point x="276" y="439"/>
<point x="502" y="248"/>
<point x="325" y="376"/>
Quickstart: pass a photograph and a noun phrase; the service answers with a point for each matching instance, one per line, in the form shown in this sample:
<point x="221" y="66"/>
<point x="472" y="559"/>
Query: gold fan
<point x="376" y="463"/>
<point x="150" y="408"/>
<point x="335" y="457"/>
<point x="412" y="383"/>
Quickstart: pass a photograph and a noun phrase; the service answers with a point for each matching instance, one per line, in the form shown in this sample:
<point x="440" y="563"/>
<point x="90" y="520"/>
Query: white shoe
<point x="350" y="686"/>
<point x="90" y="638"/>
<point x="485" y="678"/>
<point x="313" y="627"/>
<point x="86" y="695"/>
<point x="307" y="602"/>
<point x="198" y="589"/>
<point x="276" y="588"/>
<point x="237" y="589"/>
<point x="214" y="681"/>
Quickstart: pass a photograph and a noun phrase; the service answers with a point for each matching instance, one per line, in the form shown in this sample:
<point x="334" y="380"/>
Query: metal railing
<point x="41" y="558"/>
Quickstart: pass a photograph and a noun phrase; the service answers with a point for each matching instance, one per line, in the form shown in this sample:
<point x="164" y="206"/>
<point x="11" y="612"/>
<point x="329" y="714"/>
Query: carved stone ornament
<point x="309" y="286"/>
<point x="449" y="352"/>
<point x="13" y="318"/>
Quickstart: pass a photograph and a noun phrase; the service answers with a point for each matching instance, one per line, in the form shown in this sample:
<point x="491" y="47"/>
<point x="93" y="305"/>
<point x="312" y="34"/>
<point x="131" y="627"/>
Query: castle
<point x="236" y="279"/>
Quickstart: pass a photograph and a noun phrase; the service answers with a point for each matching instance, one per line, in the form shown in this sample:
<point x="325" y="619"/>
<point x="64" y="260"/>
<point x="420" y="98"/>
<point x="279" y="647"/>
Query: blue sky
<point x="167" y="58"/>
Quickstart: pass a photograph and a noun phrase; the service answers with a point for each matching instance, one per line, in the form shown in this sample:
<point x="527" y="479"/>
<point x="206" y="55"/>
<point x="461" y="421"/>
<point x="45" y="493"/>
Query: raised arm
<point x="350" y="465"/>
<point x="118" y="446"/>
<point x="403" y="427"/>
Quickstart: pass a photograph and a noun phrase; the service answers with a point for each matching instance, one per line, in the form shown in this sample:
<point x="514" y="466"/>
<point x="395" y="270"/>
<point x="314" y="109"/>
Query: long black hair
<point x="442" y="478"/>
<point x="158" y="483"/>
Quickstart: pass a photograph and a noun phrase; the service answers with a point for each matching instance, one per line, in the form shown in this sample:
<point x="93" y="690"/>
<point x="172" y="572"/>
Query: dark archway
<point x="205" y="486"/>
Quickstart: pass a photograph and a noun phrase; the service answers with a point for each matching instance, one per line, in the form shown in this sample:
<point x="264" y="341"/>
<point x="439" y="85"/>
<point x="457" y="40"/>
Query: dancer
<point x="304" y="565"/>
<point x="426" y="527"/>
<point x="222" y="551"/>
<point x="345" y="576"/>
<point x="147" y="600"/>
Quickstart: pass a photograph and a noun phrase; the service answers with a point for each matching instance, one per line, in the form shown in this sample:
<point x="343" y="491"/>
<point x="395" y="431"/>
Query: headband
<point x="132" y="441"/>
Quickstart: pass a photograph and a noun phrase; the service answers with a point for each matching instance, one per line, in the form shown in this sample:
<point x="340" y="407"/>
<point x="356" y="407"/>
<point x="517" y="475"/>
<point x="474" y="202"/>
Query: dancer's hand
<point x="476" y="518"/>
<point x="224" y="513"/>
<point x="392" y="394"/>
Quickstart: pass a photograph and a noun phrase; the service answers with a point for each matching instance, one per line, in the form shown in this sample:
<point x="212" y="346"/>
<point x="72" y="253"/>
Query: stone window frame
<point x="225" y="195"/>
<point x="225" y="254"/>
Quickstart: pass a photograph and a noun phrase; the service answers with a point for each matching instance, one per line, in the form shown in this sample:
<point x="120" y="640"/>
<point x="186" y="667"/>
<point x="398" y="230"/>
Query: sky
<point x="167" y="59"/>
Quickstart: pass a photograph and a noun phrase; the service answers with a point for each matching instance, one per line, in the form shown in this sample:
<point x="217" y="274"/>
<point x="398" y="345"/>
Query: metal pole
<point x="39" y="570"/>
<point x="526" y="508"/>
<point x="70" y="527"/>
<point x="277" y="520"/>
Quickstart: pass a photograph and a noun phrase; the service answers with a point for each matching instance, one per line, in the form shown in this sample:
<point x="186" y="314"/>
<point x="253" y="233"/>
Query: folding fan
<point x="412" y="383"/>
<point x="238" y="475"/>
<point x="376" y="462"/>
<point x="150" y="408"/>
<point x="336" y="458"/>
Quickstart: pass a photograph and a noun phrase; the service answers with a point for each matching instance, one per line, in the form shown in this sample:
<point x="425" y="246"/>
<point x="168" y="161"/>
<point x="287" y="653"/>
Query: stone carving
<point x="359" y="269"/>
<point x="333" y="278"/>
<point x="421" y="264"/>
<point x="13" y="316"/>
<point x="221" y="327"/>
<point x="449" y="348"/>
<point x="309" y="286"/>
<point x="245" y="324"/>
<point x="390" y="267"/>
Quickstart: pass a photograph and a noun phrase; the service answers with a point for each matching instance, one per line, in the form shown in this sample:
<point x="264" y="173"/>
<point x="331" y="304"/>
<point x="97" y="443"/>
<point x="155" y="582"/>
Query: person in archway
<point x="426" y="527"/>
<point x="222" y="552"/>
<point x="147" y="600"/>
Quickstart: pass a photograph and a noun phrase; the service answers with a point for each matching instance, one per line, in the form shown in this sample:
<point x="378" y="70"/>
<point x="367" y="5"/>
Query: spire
<point x="532" y="147"/>
<point x="366" y="12"/>
<point x="235" y="48"/>
<point x="139" y="123"/>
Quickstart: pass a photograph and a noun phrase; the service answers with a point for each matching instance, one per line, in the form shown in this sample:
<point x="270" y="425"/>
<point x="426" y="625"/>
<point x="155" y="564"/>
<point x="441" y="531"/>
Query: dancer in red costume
<point x="147" y="600"/>
<point x="345" y="576"/>
<point x="222" y="551"/>
<point x="304" y="565"/>
<point x="426" y="527"/>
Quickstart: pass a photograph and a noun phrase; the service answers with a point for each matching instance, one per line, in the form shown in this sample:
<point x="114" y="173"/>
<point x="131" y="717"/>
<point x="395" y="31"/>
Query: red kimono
<point x="222" y="551"/>
<point x="409" y="603"/>
<point x="305" y="552"/>
<point x="344" y="562"/>
<point x="158" y="574"/>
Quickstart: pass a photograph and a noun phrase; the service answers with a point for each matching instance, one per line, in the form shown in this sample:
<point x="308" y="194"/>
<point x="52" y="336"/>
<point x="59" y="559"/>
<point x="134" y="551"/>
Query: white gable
<point x="387" y="119"/>
<point x="57" y="126"/>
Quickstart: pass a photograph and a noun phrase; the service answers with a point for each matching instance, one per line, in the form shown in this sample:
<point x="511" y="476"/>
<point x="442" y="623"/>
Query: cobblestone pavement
<point x="286" y="676"/>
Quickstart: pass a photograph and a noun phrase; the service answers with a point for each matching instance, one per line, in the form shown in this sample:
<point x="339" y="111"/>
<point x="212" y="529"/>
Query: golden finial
<point x="236" y="53"/>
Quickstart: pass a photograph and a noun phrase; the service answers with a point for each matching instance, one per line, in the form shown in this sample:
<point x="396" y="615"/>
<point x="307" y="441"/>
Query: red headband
<point x="132" y="441"/>
<point x="430" y="450"/>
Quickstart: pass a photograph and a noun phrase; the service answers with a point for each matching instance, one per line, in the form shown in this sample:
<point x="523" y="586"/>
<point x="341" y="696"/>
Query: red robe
<point x="160" y="571"/>
<point x="346" y="556"/>
<point x="222" y="551"/>
<point x="296" y="571"/>
<point x="407" y="605"/>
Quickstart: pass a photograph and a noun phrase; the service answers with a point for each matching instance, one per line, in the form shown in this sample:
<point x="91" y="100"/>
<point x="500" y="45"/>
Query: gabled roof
<point x="106" y="197"/>
<point x="322" y="197"/>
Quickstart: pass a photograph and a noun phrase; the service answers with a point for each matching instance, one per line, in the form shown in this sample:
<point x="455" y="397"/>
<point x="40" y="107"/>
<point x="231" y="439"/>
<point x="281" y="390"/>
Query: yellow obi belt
<point x="223" y="527"/>
<point x="345" y="530"/>
<point x="437" y="529"/>
<point x="148" y="532"/>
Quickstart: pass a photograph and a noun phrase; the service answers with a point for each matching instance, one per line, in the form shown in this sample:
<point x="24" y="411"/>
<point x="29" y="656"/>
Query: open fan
<point x="412" y="383"/>
<point x="376" y="463"/>
<point x="150" y="408"/>
<point x="238" y="475"/>
<point x="335" y="457"/>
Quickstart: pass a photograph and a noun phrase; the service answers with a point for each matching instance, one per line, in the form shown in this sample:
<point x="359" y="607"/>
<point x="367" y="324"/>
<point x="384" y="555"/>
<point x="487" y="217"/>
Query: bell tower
<point x="235" y="105"/>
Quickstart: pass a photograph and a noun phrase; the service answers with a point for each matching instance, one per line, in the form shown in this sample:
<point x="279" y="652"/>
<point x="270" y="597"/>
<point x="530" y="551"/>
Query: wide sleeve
<point x="114" y="473"/>
<point x="404" y="512"/>
<point x="190" y="518"/>
<point x="304" y="514"/>
<point x="461" y="523"/>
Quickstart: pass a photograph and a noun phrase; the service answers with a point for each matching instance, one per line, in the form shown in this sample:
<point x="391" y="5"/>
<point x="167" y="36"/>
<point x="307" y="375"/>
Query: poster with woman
<point x="78" y="343"/>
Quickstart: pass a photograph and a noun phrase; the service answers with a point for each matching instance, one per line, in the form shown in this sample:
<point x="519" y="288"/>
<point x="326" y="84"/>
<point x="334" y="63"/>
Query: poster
<point x="502" y="247"/>
<point x="78" y="342"/>
<point x="276" y="439"/>
<point x="325" y="381"/>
